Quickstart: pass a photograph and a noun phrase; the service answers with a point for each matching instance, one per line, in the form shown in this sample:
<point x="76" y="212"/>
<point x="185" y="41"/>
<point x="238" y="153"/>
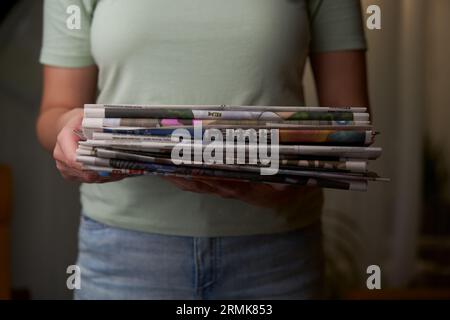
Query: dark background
<point x="402" y="226"/>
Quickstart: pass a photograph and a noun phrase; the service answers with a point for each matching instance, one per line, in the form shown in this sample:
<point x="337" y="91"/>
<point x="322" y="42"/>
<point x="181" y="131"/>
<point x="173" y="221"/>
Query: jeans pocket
<point x="90" y="224"/>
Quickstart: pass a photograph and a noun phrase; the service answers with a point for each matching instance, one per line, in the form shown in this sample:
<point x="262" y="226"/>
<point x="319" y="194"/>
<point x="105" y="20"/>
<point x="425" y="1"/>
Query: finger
<point x="68" y="143"/>
<point x="278" y="186"/>
<point x="209" y="184"/>
<point x="72" y="174"/>
<point x="65" y="171"/>
<point x="58" y="154"/>
<point x="179" y="182"/>
<point x="190" y="185"/>
<point x="222" y="189"/>
<point x="112" y="178"/>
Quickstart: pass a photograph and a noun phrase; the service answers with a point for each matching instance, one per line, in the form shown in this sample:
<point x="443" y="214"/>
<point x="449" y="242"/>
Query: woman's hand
<point x="259" y="194"/>
<point x="63" y="89"/>
<point x="64" y="152"/>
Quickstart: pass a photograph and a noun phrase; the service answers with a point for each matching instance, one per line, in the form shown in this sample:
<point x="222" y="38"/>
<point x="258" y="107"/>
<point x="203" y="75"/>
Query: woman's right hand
<point x="64" y="152"/>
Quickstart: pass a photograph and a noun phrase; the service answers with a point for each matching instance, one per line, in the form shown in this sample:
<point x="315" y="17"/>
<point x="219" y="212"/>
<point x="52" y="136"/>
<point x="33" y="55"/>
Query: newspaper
<point x="299" y="181"/>
<point x="166" y="146"/>
<point x="118" y="112"/>
<point x="358" y="136"/>
<point x="224" y="107"/>
<point x="157" y="123"/>
<point x="323" y="147"/>
<point x="343" y="166"/>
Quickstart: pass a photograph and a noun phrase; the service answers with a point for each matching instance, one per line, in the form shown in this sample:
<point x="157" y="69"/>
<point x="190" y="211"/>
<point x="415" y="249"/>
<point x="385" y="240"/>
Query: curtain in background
<point x="381" y="226"/>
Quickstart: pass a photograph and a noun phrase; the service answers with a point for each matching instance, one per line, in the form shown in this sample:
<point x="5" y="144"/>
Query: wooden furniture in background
<point x="5" y="218"/>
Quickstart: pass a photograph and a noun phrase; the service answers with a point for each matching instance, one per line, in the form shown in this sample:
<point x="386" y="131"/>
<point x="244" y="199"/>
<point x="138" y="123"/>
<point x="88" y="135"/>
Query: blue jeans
<point x="123" y="264"/>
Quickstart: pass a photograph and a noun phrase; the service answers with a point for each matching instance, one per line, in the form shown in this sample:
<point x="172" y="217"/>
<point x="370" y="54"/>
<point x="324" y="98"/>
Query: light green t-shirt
<point x="239" y="52"/>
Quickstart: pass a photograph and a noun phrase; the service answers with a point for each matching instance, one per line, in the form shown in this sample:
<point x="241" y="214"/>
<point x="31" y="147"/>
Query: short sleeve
<point x="61" y="45"/>
<point x="336" y="25"/>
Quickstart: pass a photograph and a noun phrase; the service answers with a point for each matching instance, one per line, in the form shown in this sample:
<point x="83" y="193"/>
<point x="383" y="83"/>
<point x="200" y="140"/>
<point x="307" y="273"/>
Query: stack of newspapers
<point x="304" y="146"/>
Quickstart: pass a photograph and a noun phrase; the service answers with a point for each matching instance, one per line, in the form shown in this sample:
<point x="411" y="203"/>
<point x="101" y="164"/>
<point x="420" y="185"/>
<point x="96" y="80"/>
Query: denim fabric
<point x="123" y="264"/>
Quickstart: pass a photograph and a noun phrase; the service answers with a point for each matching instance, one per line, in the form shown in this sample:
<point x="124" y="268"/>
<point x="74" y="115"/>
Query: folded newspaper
<point x="306" y="146"/>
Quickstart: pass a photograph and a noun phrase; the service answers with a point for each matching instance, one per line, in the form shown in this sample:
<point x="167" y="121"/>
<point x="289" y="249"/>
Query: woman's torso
<point x="238" y="52"/>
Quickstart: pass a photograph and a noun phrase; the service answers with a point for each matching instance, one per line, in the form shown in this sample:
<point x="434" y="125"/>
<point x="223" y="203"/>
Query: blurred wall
<point x="438" y="80"/>
<point x="46" y="208"/>
<point x="380" y="227"/>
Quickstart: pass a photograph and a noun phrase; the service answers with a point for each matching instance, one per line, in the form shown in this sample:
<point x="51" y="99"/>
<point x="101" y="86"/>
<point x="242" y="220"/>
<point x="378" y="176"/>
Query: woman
<point x="156" y="238"/>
